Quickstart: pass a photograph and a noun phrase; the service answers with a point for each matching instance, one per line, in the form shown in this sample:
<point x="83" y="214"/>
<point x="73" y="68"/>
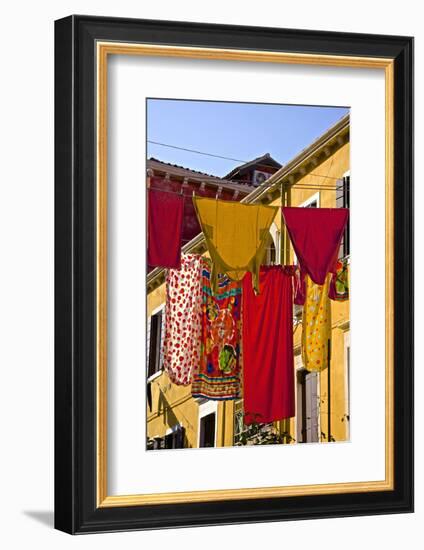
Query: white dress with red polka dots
<point x="181" y="345"/>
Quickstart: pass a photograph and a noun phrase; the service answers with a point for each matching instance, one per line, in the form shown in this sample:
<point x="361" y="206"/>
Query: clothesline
<point x="271" y="184"/>
<point x="192" y="192"/>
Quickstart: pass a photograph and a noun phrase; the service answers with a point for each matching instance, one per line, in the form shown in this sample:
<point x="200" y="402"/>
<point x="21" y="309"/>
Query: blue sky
<point x="241" y="131"/>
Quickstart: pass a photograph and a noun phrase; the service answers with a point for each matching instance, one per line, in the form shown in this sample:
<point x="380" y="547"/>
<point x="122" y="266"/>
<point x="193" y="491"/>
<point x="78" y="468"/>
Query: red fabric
<point x="191" y="226"/>
<point x="299" y="293"/>
<point x="268" y="370"/>
<point x="165" y="216"/>
<point x="316" y="234"/>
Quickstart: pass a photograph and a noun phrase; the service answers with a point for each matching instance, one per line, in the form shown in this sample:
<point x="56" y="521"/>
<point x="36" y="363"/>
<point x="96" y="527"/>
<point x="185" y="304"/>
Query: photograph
<point x="223" y="296"/>
<point x="248" y="255"/>
<point x="209" y="336"/>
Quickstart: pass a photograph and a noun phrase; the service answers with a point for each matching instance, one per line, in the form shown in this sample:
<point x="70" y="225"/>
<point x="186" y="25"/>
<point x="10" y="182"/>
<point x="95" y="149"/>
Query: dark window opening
<point x="271" y="253"/>
<point x="207" y="431"/>
<point x="175" y="440"/>
<point x="154" y="343"/>
<point x="343" y="201"/>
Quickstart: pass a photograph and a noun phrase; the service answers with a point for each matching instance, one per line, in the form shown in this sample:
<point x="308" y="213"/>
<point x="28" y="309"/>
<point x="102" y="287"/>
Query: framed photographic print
<point x="234" y="274"/>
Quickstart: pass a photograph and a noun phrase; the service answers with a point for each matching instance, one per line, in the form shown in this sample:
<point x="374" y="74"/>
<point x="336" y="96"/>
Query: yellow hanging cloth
<point x="316" y="326"/>
<point x="236" y="236"/>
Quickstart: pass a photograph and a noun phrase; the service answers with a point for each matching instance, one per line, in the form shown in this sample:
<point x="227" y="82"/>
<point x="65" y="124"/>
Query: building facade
<point x="318" y="177"/>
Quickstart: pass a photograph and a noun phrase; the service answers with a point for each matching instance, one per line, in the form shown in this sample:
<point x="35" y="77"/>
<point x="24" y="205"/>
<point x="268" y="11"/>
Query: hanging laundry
<point x="268" y="369"/>
<point x="236" y="236"/>
<point x="299" y="291"/>
<point x="316" y="325"/>
<point x="181" y="346"/>
<point x="339" y="285"/>
<point x="338" y="289"/>
<point x="316" y="234"/>
<point x="218" y="373"/>
<point x="165" y="217"/>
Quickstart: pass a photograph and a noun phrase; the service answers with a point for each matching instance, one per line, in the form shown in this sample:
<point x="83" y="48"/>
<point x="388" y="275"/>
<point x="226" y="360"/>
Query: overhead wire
<point x="194" y="151"/>
<point x="230" y="158"/>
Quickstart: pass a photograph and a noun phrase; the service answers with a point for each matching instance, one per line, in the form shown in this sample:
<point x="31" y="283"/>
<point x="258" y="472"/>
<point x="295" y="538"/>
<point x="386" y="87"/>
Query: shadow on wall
<point x="169" y="417"/>
<point x="46" y="517"/>
<point x="164" y="408"/>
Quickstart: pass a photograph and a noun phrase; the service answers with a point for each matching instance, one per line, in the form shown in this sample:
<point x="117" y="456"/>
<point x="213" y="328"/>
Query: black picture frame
<point x="76" y="510"/>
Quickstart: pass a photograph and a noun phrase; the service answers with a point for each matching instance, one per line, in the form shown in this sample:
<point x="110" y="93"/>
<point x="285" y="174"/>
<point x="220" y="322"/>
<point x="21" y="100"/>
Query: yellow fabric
<point x="316" y="326"/>
<point x="236" y="236"/>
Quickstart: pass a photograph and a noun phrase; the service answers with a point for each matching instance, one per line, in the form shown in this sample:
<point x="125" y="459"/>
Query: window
<point x="175" y="439"/>
<point x="238" y="421"/>
<point x="252" y="434"/>
<point x="307" y="414"/>
<point x="343" y="201"/>
<point x="312" y="202"/>
<point x="155" y="331"/>
<point x="271" y="254"/>
<point x="207" y="430"/>
<point x="208" y="410"/>
<point x="346" y="417"/>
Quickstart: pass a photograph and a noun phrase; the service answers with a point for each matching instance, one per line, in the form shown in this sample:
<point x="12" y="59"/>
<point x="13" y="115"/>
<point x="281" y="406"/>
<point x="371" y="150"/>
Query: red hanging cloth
<point x="165" y="217"/>
<point x="268" y="370"/>
<point x="316" y="234"/>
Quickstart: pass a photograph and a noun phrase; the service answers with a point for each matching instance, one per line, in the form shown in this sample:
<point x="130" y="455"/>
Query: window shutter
<point x="162" y="338"/>
<point x="155" y="345"/>
<point x="153" y="334"/>
<point x="347" y="205"/>
<point x="301" y="409"/>
<point x="343" y="201"/>
<point x="311" y="395"/>
<point x="149" y="322"/>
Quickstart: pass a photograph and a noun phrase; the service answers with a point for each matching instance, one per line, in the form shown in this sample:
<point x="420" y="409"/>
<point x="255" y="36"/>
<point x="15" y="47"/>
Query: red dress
<point x="268" y="379"/>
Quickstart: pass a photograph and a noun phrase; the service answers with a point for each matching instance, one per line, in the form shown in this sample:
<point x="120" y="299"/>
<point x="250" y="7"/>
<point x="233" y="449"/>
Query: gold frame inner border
<point x="104" y="49"/>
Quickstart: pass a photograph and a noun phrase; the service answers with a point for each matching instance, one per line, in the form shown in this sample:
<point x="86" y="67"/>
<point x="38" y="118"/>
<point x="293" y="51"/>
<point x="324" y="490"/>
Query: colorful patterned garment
<point x="236" y="236"/>
<point x="218" y="373"/>
<point x="316" y="326"/>
<point x="339" y="285"/>
<point x="181" y="346"/>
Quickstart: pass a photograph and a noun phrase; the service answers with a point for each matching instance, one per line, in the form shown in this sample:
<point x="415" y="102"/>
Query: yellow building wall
<point x="173" y="404"/>
<point x="333" y="167"/>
